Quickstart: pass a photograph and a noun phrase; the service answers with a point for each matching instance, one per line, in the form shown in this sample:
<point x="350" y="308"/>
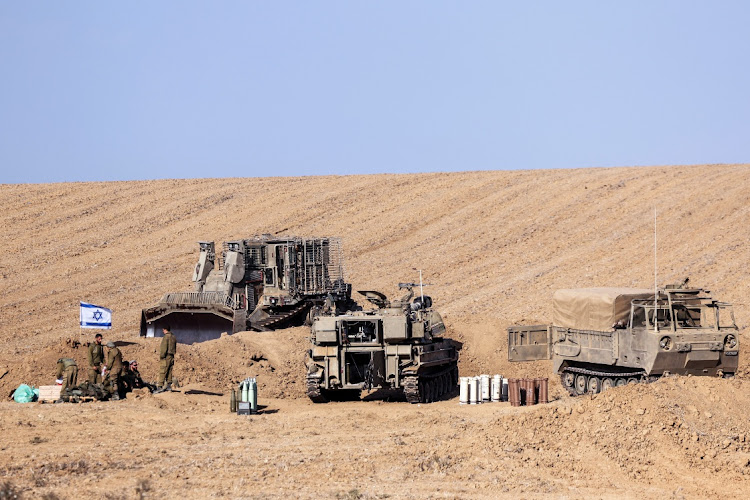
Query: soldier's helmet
<point x="110" y="344"/>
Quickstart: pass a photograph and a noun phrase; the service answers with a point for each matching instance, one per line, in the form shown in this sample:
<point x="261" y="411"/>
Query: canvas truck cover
<point x="594" y="308"/>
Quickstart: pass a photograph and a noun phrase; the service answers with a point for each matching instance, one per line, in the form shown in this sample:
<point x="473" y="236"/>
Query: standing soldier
<point x="67" y="370"/>
<point x="114" y="367"/>
<point x="166" y="359"/>
<point x="95" y="357"/>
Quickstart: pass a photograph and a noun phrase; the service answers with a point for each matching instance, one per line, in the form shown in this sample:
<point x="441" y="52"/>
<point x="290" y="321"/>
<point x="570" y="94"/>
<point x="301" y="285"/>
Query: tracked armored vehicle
<point x="399" y="345"/>
<point x="605" y="337"/>
<point x="260" y="283"/>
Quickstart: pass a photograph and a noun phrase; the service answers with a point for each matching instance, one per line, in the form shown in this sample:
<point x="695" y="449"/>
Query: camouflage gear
<point x="73" y="394"/>
<point x="67" y="370"/>
<point x="95" y="357"/>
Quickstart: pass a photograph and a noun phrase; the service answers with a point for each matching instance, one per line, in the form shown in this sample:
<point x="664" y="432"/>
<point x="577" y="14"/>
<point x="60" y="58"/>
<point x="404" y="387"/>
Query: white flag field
<point x="95" y="316"/>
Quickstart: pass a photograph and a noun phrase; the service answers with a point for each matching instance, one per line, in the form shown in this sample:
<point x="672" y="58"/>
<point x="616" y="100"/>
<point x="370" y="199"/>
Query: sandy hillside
<point x="494" y="246"/>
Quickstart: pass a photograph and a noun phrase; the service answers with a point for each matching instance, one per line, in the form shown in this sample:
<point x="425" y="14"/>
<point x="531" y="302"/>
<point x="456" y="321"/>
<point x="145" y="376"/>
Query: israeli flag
<point x="95" y="316"/>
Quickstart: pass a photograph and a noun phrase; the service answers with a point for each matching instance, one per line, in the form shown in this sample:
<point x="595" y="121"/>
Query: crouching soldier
<point x="134" y="379"/>
<point x="114" y="367"/>
<point x="67" y="373"/>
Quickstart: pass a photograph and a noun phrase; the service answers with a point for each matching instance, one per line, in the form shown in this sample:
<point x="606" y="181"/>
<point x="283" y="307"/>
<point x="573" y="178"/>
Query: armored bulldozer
<point x="399" y="345"/>
<point x="260" y="283"/>
<point x="605" y="337"/>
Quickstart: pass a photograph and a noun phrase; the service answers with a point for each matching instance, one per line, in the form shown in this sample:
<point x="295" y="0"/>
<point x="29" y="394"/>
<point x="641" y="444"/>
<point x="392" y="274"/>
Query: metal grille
<point x="199" y="298"/>
<point x="323" y="265"/>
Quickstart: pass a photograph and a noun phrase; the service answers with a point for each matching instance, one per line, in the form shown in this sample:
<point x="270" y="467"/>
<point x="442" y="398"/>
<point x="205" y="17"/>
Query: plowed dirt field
<point x="494" y="246"/>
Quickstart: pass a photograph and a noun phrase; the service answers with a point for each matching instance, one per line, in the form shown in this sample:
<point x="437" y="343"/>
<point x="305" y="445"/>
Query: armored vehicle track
<point x="430" y="388"/>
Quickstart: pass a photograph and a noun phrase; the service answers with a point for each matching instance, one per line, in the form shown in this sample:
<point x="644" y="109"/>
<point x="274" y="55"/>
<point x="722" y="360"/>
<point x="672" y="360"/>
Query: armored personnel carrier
<point x="605" y="337"/>
<point x="399" y="345"/>
<point x="259" y="283"/>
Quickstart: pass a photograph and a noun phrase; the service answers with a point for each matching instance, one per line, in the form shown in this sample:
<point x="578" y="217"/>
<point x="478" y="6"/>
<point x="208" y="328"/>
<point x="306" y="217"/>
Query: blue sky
<point x="149" y="90"/>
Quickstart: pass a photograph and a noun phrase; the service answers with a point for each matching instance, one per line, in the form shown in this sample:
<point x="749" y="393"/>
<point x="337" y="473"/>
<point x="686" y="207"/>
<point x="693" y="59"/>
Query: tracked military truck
<point x="399" y="345"/>
<point x="259" y="283"/>
<point x="605" y="337"/>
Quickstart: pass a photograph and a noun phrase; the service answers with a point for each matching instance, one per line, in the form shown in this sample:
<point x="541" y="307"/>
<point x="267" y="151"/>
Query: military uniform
<point x="134" y="380"/>
<point x="67" y="370"/>
<point x="166" y="356"/>
<point x="95" y="357"/>
<point x="114" y="367"/>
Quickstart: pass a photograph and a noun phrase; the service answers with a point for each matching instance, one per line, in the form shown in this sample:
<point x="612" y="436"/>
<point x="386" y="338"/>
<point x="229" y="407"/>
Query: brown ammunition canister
<point x="530" y="392"/>
<point x="514" y="392"/>
<point x="543" y="391"/>
<point x="537" y="390"/>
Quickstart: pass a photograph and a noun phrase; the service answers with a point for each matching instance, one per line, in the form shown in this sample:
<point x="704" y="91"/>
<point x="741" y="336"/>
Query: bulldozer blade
<point x="191" y="326"/>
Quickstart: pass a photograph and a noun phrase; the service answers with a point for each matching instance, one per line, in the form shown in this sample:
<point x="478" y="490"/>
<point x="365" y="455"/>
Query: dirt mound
<point x="646" y="430"/>
<point x="276" y="359"/>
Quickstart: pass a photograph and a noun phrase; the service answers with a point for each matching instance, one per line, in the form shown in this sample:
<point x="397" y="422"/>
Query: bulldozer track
<point x="277" y="319"/>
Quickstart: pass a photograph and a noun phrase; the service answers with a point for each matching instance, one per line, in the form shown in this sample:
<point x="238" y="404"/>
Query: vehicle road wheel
<point x="595" y="385"/>
<point x="621" y="382"/>
<point x="428" y="391"/>
<point x="581" y="384"/>
<point x="632" y="380"/>
<point x="448" y="377"/>
<point x="607" y="383"/>
<point x="568" y="379"/>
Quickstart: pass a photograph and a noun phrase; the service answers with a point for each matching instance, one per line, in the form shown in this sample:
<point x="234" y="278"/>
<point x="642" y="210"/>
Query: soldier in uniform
<point x="95" y="358"/>
<point x="135" y="381"/>
<point x="125" y="378"/>
<point x="166" y="359"/>
<point x="114" y="367"/>
<point x="67" y="370"/>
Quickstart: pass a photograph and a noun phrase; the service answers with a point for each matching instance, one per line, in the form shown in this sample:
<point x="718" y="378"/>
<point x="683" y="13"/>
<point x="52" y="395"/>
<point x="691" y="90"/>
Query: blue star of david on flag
<point x="93" y="316"/>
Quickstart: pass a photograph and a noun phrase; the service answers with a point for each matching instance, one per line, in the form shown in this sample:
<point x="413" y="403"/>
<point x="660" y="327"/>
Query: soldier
<point x="114" y="367"/>
<point x="67" y="370"/>
<point x="125" y="379"/>
<point x="166" y="359"/>
<point x="95" y="358"/>
<point x="135" y="381"/>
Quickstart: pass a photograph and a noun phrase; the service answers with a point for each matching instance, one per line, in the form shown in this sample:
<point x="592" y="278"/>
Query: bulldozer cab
<point x="529" y="343"/>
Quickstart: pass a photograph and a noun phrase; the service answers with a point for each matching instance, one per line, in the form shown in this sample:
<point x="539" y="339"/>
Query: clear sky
<point x="181" y="89"/>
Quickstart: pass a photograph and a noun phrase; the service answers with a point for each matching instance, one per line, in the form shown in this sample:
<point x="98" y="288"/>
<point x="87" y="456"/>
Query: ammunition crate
<point x="49" y="392"/>
<point x="243" y="408"/>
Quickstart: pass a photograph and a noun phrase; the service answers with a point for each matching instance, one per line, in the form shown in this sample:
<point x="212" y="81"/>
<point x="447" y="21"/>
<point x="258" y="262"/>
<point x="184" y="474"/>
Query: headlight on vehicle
<point x="665" y="343"/>
<point x="730" y="342"/>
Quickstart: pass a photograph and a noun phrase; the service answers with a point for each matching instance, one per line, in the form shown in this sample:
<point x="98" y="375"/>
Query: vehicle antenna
<point x="656" y="291"/>
<point x="421" y="289"/>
